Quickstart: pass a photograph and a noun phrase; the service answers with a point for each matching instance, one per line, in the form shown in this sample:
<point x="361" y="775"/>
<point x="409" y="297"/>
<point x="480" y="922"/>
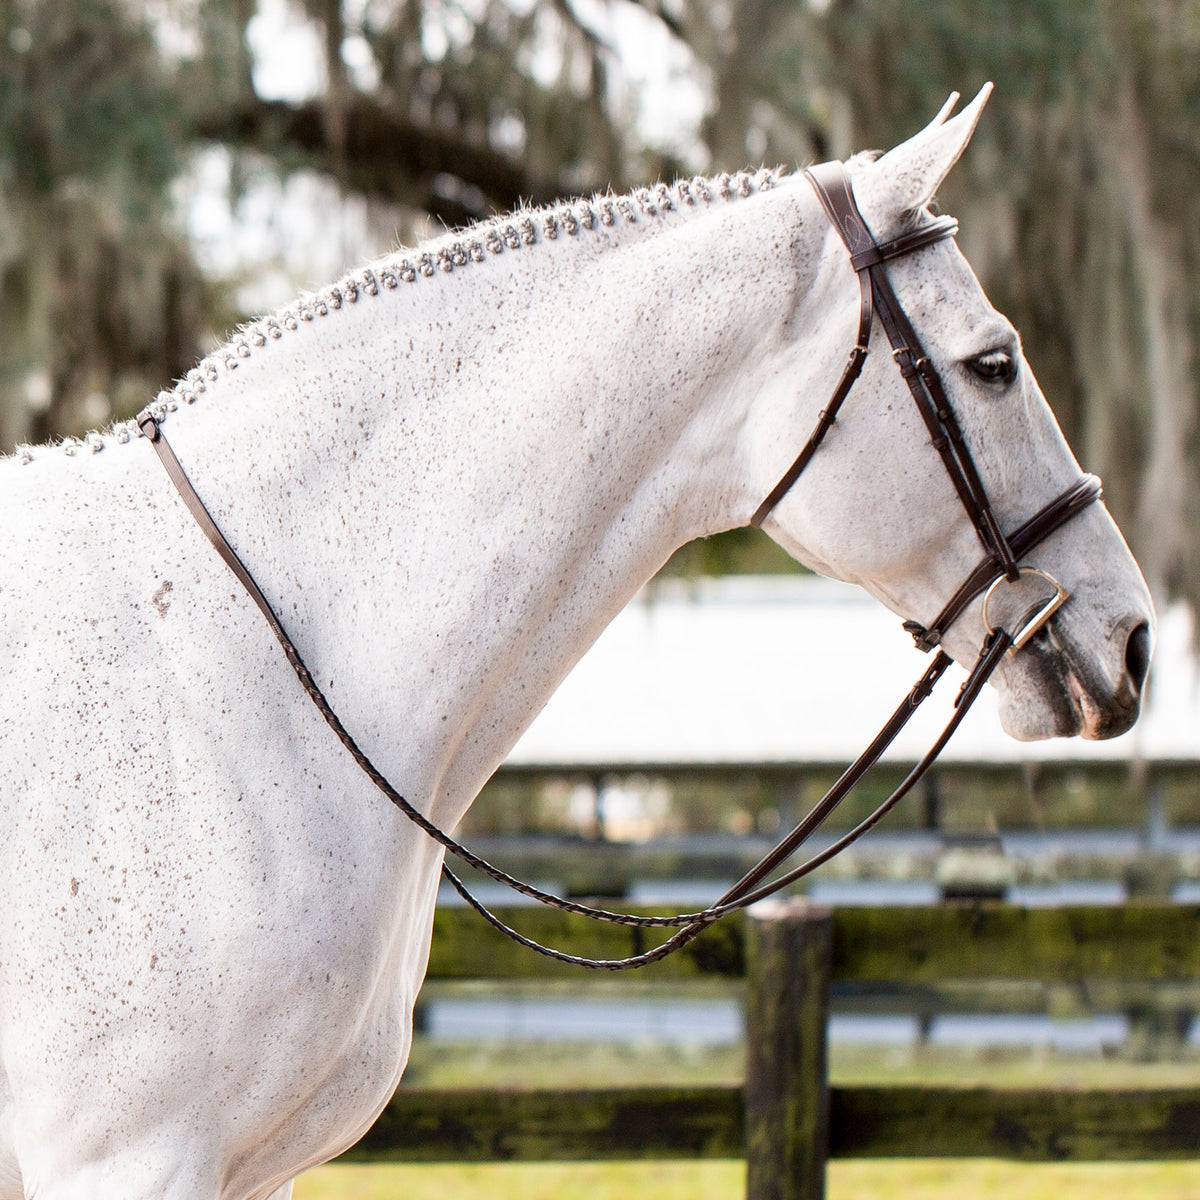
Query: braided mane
<point x="441" y="255"/>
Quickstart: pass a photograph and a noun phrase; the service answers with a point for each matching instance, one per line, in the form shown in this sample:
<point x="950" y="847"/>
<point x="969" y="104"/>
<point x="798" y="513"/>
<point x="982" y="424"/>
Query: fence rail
<point x="787" y="1119"/>
<point x="1036" y="1124"/>
<point x="1134" y="941"/>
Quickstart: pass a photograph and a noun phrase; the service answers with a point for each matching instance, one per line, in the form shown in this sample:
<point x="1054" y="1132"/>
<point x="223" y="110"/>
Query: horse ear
<point x="906" y="178"/>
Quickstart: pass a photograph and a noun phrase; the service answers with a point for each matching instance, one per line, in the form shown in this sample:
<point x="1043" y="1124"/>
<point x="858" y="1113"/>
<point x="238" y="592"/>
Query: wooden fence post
<point x="789" y="946"/>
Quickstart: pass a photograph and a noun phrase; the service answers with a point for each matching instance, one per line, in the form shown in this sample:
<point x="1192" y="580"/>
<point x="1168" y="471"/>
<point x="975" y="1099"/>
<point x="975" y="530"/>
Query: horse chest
<point x="260" y="981"/>
<point x="204" y="905"/>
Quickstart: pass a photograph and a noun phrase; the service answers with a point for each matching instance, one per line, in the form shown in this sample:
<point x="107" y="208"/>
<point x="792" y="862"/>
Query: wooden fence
<point x="787" y="1120"/>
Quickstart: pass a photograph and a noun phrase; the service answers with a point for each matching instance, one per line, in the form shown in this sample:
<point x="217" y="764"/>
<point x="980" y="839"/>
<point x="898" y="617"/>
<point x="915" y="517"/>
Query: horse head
<point x="876" y="505"/>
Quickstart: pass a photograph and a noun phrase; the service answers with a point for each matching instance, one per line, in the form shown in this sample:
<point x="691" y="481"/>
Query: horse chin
<point x="1046" y="692"/>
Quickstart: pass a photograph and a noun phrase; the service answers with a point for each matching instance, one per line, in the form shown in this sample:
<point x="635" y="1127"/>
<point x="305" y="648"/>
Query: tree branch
<point x="388" y="156"/>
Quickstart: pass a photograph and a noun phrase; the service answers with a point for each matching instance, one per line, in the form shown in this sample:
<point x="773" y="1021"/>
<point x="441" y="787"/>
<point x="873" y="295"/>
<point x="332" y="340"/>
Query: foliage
<point x="112" y="129"/>
<point x="99" y="298"/>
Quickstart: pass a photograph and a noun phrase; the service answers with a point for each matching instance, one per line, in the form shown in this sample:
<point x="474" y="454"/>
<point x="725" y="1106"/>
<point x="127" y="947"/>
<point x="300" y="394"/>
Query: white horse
<point x="447" y="473"/>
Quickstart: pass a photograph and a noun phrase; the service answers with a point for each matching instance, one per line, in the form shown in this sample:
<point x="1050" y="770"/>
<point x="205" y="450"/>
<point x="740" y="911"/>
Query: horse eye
<point x="993" y="366"/>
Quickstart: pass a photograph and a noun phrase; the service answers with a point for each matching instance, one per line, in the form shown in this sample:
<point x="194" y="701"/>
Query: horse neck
<point x="481" y="470"/>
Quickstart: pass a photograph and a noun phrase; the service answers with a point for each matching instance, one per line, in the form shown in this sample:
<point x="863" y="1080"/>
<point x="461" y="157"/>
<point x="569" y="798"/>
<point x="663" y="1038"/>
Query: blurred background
<point x="169" y="168"/>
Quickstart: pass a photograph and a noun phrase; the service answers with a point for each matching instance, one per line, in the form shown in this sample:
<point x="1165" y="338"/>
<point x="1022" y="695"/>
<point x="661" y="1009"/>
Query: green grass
<point x="892" y="1179"/>
<point x="504" y="1064"/>
<point x="526" y="1181"/>
<point x="935" y="1066"/>
<point x="570" y="1064"/>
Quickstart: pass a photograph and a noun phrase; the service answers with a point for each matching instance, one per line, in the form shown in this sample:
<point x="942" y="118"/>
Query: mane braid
<point x="491" y="237"/>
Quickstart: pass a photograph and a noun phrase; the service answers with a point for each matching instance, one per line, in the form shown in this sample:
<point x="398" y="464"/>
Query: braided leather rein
<point x="833" y="187"/>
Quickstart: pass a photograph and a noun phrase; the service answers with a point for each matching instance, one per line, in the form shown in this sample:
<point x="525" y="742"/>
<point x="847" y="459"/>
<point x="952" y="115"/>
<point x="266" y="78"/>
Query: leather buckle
<point x="148" y="425"/>
<point x="1039" y="618"/>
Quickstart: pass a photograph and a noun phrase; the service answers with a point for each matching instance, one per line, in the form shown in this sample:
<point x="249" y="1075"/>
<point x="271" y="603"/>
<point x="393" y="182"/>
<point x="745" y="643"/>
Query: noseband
<point x="1002" y="563"/>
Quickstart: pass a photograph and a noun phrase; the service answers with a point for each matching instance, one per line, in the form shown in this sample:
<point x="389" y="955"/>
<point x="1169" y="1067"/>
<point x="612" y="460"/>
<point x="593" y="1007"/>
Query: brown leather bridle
<point x="1003" y="563"/>
<point x="831" y="182"/>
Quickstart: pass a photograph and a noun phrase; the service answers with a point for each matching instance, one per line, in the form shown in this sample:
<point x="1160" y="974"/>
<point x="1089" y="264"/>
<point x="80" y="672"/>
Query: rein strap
<point x="746" y="891"/>
<point x="833" y="187"/>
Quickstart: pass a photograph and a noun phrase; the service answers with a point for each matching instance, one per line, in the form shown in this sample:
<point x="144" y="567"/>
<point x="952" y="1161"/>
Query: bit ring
<point x="1039" y="618"/>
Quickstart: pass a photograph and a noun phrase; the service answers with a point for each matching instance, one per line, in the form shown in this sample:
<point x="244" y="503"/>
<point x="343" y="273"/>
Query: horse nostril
<point x="1137" y="656"/>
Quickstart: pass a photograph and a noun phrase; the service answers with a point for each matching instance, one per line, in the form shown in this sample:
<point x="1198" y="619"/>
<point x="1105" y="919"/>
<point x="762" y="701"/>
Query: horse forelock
<point x="643" y="208"/>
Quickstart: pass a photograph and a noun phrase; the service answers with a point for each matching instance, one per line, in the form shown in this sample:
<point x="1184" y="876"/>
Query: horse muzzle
<point x="1056" y="686"/>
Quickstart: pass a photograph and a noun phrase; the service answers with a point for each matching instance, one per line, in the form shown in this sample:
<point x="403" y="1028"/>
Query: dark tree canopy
<point x="1079" y="197"/>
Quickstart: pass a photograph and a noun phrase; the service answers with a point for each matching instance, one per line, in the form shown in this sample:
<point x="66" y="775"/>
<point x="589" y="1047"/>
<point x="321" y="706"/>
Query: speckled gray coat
<point x="447" y="473"/>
